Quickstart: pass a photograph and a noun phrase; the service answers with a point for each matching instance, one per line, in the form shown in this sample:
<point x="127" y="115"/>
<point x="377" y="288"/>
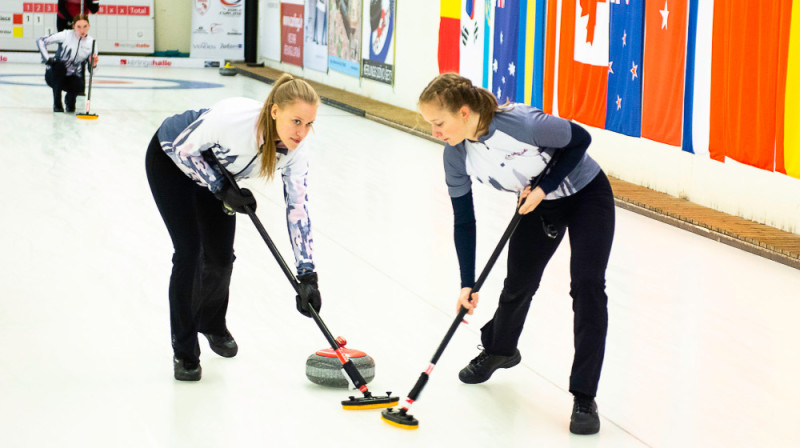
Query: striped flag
<point x="488" y="43"/>
<point x="449" y="29"/>
<point x="791" y="146"/>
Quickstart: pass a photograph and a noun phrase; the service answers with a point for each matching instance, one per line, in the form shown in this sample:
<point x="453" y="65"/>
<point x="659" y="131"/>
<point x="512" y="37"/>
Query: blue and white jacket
<point x="228" y="128"/>
<point x="72" y="50"/>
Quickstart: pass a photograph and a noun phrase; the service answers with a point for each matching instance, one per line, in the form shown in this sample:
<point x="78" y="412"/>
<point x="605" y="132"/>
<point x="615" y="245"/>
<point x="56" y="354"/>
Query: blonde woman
<point x="198" y="205"/>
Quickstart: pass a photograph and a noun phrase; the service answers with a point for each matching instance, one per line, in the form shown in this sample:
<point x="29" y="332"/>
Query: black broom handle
<point x="423" y="378"/>
<point x="91" y="71"/>
<point x="209" y="157"/>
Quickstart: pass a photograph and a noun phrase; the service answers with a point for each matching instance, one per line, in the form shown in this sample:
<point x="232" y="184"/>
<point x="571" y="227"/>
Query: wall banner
<point x="344" y="36"/>
<point x="378" y="41"/>
<point x="292" y="32"/>
<point x="218" y="29"/>
<point x="315" y="46"/>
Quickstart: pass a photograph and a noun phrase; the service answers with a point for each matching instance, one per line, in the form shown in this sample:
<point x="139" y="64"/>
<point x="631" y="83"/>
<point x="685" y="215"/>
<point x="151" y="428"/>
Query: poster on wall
<point x="292" y="31"/>
<point x="269" y="32"/>
<point x="126" y="26"/>
<point x="218" y="29"/>
<point x="344" y="36"/>
<point x="315" y="46"/>
<point x="378" y="41"/>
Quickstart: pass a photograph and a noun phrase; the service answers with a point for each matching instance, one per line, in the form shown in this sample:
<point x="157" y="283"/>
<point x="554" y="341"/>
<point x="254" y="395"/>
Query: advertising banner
<point x="292" y="32"/>
<point x="378" y="41"/>
<point x="315" y="47"/>
<point x="218" y="29"/>
<point x="344" y="36"/>
<point x="120" y="26"/>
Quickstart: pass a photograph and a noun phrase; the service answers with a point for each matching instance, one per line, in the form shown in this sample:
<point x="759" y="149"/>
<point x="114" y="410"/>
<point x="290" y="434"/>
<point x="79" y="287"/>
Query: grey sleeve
<point x="455" y="171"/>
<point x="548" y="131"/>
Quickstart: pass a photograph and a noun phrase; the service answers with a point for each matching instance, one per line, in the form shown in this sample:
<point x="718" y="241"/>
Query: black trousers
<point x="202" y="236"/>
<point x="56" y="77"/>
<point x="589" y="216"/>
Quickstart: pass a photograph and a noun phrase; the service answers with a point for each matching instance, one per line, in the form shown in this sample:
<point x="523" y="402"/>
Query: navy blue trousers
<point x="202" y="236"/>
<point x="589" y="217"/>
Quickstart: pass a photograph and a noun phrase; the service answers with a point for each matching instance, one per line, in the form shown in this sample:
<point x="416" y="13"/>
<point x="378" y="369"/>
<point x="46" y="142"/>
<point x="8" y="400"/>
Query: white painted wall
<point x="173" y="25"/>
<point x="751" y="193"/>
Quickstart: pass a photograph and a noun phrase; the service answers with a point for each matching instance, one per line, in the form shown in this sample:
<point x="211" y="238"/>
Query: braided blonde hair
<point x="286" y="90"/>
<point x="451" y="91"/>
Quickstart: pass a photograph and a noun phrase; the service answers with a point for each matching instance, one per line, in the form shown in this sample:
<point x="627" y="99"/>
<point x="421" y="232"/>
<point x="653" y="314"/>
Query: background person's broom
<point x="88" y="115"/>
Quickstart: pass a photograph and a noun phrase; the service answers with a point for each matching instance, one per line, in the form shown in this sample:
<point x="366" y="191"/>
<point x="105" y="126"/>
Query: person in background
<point x="506" y="147"/>
<point x="249" y="138"/>
<point x="64" y="72"/>
<point x="69" y="9"/>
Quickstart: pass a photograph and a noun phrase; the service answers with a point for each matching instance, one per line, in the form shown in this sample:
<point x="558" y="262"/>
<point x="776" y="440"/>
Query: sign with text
<point x="218" y="29"/>
<point x="292" y="33"/>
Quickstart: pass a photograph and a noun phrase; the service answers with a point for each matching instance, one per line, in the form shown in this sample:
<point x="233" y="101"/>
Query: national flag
<point x="534" y="54"/>
<point x="488" y="45"/>
<point x="791" y="145"/>
<point x="625" y="68"/>
<point x="748" y="82"/>
<point x="506" y="40"/>
<point x="449" y="29"/>
<point x="664" y="57"/>
<point x="697" y="100"/>
<point x="472" y="40"/>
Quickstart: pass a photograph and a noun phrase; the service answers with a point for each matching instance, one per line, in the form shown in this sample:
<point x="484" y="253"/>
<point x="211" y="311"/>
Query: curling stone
<point x="325" y="369"/>
<point x="227" y="70"/>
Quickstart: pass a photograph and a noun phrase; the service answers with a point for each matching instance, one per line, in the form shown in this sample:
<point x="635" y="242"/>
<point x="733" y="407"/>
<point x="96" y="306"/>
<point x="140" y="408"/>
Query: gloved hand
<point x="308" y="294"/>
<point x="50" y="61"/>
<point x="237" y="200"/>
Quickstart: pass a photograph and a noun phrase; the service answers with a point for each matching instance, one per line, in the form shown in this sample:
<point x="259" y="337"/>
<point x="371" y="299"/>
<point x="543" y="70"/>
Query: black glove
<point x="50" y="61"/>
<point x="237" y="200"/>
<point x="308" y="294"/>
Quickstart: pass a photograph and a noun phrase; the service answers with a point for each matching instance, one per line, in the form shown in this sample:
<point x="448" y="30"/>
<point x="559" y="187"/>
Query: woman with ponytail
<point x="198" y="205"/>
<point x="506" y="147"/>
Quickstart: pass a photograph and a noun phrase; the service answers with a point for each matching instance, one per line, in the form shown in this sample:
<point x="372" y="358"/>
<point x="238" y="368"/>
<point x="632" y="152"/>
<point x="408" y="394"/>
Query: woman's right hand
<point x="463" y="300"/>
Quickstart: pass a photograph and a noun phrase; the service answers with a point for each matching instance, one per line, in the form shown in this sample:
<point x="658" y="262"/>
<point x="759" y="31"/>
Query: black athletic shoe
<point x="70" y="109"/>
<point x="584" y="417"/>
<point x="184" y="372"/>
<point x="223" y="345"/>
<point x="58" y="108"/>
<point x="483" y="366"/>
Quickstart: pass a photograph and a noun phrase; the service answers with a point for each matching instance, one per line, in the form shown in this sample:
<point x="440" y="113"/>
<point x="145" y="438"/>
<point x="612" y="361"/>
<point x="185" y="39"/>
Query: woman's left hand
<point x="530" y="199"/>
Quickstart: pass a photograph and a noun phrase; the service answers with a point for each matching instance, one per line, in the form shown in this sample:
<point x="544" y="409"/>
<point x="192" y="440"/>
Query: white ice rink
<point x="702" y="348"/>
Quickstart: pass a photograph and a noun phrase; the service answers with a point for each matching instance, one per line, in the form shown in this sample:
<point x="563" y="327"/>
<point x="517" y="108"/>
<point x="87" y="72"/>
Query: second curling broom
<point x="400" y="417"/>
<point x="367" y="401"/>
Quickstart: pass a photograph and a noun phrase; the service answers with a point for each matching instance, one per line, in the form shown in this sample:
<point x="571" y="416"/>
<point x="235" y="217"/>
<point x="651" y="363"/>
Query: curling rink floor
<point x="702" y="346"/>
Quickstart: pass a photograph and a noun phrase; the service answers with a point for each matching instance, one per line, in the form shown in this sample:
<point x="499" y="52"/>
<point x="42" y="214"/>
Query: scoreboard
<point x="124" y="26"/>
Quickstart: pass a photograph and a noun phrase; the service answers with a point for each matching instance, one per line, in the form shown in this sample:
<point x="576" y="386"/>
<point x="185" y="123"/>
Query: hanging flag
<point x="534" y="55"/>
<point x="449" y="29"/>
<point x="664" y="57"/>
<point x="551" y="59"/>
<point x="791" y="148"/>
<point x="747" y="61"/>
<point x="624" y="102"/>
<point x="506" y="40"/>
<point x="697" y="101"/>
<point x="590" y="62"/>
<point x="488" y="43"/>
<point x="472" y="40"/>
<point x="522" y="59"/>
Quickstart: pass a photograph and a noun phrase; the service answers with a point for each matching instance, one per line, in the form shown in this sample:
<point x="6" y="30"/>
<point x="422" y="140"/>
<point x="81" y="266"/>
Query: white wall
<point x="751" y="193"/>
<point x="173" y="25"/>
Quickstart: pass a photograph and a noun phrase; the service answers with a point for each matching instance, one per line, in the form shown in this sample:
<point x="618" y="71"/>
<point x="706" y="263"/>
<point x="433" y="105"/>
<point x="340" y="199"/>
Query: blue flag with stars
<point x="506" y="39"/>
<point x="626" y="36"/>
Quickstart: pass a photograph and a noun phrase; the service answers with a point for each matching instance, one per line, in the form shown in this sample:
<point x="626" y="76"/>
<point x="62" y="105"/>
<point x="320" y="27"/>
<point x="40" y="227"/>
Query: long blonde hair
<point x="451" y="91"/>
<point x="286" y="90"/>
